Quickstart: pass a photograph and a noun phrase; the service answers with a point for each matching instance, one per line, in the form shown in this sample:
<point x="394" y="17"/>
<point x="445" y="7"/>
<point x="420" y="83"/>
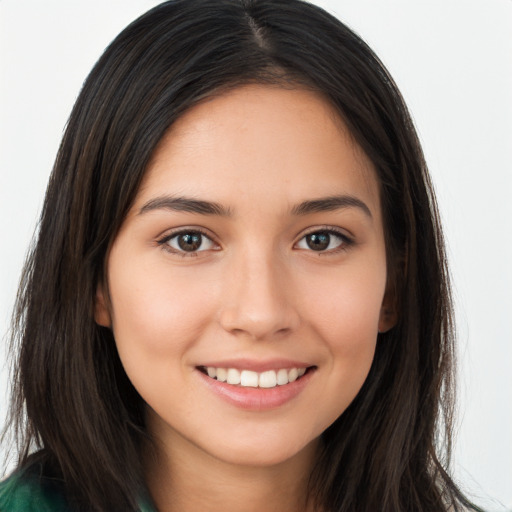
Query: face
<point x="248" y="282"/>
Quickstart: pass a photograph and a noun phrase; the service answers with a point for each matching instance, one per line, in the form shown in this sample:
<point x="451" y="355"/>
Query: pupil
<point x="190" y="241"/>
<point x="318" y="241"/>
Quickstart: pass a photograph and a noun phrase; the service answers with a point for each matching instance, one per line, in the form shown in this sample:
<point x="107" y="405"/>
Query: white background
<point x="452" y="60"/>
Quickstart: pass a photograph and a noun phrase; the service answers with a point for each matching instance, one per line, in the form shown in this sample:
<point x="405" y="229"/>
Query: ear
<point x="388" y="317"/>
<point x="101" y="310"/>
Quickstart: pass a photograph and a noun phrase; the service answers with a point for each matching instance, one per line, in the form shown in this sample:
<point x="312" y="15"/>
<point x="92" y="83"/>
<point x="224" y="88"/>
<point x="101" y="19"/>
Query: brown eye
<point x="189" y="241"/>
<point x="318" y="241"/>
<point x="323" y="241"/>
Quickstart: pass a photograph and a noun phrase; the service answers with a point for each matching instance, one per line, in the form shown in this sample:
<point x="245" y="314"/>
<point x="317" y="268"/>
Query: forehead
<point x="258" y="141"/>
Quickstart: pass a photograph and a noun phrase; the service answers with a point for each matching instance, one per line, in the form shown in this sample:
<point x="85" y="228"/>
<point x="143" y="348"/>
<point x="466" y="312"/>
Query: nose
<point x="258" y="300"/>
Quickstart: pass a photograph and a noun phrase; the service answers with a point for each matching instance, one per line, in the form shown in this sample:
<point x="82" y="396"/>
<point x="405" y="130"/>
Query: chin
<point x="264" y="451"/>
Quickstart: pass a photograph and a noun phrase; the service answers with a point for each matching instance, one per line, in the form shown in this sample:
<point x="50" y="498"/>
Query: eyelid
<point x="169" y="235"/>
<point x="348" y="239"/>
<point x="326" y="227"/>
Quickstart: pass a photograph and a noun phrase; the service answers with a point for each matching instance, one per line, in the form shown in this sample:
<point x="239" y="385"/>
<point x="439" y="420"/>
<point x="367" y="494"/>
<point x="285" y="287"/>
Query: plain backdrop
<point x="452" y="60"/>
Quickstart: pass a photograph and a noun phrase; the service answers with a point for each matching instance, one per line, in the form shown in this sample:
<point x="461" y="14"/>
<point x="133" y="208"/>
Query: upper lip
<point x="256" y="365"/>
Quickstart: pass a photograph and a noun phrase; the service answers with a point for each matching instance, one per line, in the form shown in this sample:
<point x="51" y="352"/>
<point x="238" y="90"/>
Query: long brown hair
<point x="76" y="413"/>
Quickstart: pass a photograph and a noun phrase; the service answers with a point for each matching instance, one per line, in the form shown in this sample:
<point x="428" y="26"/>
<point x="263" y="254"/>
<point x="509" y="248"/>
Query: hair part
<point x="382" y="453"/>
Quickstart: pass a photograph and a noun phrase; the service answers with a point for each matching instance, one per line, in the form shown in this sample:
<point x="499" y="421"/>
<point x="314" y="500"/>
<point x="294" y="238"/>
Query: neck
<point x="186" y="479"/>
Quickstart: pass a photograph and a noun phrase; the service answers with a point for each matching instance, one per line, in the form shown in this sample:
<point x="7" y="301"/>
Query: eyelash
<point x="346" y="241"/>
<point x="164" y="242"/>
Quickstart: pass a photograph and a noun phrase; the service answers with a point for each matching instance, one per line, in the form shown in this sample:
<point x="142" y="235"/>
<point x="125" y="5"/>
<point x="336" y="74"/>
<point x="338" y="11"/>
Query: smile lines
<point x="248" y="378"/>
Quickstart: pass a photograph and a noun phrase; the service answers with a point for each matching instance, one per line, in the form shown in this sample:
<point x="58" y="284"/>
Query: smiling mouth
<point x="250" y="379"/>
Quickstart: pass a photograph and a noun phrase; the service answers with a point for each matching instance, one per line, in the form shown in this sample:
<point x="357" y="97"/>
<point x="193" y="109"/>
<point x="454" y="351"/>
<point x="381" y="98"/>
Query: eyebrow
<point x="185" y="204"/>
<point x="327" y="204"/>
<point x="201" y="207"/>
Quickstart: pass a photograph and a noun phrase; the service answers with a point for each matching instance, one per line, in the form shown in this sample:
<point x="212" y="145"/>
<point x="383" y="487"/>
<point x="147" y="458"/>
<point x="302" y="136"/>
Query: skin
<point x="257" y="291"/>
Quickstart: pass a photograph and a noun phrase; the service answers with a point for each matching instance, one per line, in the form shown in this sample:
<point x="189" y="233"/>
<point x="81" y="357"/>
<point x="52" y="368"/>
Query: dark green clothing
<point x="31" y="493"/>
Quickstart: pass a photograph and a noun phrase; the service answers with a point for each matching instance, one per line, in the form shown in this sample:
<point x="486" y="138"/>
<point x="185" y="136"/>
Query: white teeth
<point x="268" y="379"/>
<point x="282" y="376"/>
<point x="293" y="374"/>
<point x="248" y="378"/>
<point x="233" y="376"/>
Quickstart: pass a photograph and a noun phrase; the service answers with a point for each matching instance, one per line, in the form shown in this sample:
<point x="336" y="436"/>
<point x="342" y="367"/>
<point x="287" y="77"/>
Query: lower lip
<point x="257" y="399"/>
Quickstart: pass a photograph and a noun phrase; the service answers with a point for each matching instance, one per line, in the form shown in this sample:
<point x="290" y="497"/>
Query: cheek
<point x="156" y="311"/>
<point x="157" y="317"/>
<point x="344" y="313"/>
<point x="345" y="307"/>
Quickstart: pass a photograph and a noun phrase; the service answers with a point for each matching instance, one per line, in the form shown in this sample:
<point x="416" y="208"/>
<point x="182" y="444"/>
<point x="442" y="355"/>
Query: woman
<point x="239" y="295"/>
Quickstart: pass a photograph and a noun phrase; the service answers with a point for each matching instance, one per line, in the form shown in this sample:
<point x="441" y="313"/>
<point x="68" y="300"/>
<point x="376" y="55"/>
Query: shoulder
<point x="29" y="492"/>
<point x="32" y="490"/>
